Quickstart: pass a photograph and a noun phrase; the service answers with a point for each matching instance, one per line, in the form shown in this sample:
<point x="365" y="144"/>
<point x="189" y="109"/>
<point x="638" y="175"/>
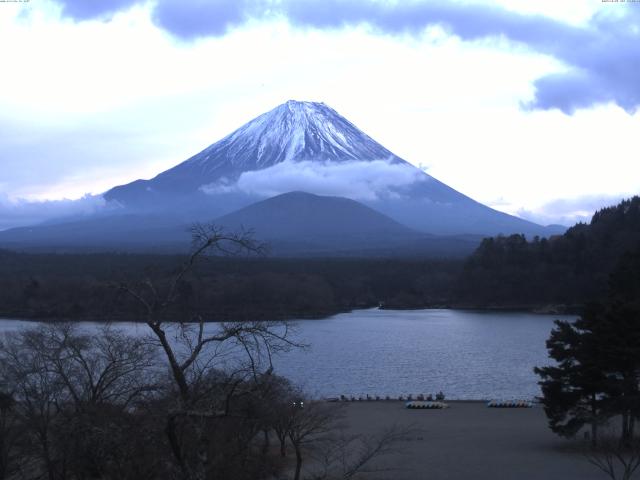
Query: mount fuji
<point x="292" y="132"/>
<point x="340" y="178"/>
<point x="308" y="146"/>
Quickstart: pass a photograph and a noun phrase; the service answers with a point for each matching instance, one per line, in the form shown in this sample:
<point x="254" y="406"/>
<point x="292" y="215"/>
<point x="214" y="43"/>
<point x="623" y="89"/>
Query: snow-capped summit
<point x="293" y="131"/>
<point x="308" y="146"/>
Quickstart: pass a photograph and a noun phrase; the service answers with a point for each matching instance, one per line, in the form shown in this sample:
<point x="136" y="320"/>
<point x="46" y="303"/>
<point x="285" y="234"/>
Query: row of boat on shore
<point x="431" y="402"/>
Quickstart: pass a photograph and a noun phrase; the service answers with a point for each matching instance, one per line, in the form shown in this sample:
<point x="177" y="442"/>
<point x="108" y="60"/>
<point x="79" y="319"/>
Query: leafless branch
<point x="613" y="457"/>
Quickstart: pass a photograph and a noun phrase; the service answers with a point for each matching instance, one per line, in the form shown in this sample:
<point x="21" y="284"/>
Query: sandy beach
<point x="470" y="441"/>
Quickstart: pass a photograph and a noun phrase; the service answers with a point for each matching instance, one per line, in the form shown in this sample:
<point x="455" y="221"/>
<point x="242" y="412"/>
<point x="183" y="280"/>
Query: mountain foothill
<point x="305" y="180"/>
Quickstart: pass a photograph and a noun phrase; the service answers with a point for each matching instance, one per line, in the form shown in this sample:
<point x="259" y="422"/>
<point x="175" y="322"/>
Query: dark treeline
<point x="570" y="269"/>
<point x="507" y="272"/>
<point x="50" y="286"/>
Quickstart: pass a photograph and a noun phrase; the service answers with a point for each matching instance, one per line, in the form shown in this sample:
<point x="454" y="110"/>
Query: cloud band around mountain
<point x="358" y="180"/>
<point x="16" y="213"/>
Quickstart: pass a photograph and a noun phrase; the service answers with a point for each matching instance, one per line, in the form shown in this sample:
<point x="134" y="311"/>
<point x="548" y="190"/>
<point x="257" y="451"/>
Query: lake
<point x="466" y="354"/>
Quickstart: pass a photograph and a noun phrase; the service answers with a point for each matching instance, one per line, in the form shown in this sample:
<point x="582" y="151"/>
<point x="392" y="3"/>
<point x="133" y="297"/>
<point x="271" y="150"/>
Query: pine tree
<point x="574" y="390"/>
<point x="597" y="375"/>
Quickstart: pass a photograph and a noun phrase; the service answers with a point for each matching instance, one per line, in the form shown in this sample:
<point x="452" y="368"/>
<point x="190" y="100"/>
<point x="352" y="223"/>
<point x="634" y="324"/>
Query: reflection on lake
<point x="466" y="354"/>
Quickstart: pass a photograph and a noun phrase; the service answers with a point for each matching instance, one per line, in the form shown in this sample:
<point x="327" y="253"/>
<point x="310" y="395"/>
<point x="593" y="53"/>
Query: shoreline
<point x="534" y="309"/>
<point x="541" y="309"/>
<point x="535" y="401"/>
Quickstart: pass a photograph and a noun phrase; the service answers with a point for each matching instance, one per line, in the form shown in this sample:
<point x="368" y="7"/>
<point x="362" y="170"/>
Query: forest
<point x="85" y="287"/>
<point x="569" y="269"/>
<point x="561" y="272"/>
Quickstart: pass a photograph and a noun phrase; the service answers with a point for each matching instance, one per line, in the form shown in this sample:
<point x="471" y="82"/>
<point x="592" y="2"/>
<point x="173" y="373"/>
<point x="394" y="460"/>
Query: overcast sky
<point x="527" y="106"/>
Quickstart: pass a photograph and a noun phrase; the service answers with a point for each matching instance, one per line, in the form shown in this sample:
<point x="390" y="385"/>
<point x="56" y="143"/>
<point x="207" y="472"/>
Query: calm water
<point x="466" y="354"/>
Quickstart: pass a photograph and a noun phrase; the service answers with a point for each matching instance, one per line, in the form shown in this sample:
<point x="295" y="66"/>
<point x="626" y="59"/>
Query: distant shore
<point x="320" y="315"/>
<point x="543" y="309"/>
<point x="536" y="309"/>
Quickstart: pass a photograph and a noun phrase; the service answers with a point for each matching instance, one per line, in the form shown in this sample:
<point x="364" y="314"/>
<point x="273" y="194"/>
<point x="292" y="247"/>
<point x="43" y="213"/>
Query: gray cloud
<point x="603" y="66"/>
<point x="601" y="57"/>
<point x="201" y="18"/>
<point x="571" y="91"/>
<point x="469" y="22"/>
<point x="185" y="19"/>
<point x="359" y="180"/>
<point x="91" y="9"/>
<point x="17" y="213"/>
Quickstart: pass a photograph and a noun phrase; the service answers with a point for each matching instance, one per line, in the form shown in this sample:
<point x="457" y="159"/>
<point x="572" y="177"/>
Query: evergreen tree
<point x="574" y="390"/>
<point x="597" y="375"/>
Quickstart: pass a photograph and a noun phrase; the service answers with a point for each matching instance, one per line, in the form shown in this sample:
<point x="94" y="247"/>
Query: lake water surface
<point x="466" y="354"/>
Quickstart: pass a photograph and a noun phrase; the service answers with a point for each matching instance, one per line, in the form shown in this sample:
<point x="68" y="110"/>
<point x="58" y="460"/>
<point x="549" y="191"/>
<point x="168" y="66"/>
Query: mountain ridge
<point x="297" y="132"/>
<point x="333" y="188"/>
<point x="293" y="130"/>
<point x="294" y="224"/>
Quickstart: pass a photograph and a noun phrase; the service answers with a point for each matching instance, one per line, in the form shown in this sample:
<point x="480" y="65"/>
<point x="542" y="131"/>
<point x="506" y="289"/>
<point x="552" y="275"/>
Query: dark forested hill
<point x="565" y="269"/>
<point x="503" y="272"/>
<point x="82" y="286"/>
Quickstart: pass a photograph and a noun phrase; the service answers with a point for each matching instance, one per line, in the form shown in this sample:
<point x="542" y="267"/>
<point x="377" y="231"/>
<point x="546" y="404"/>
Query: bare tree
<point x="109" y="368"/>
<point x="618" y="459"/>
<point x="70" y="391"/>
<point x="309" y="422"/>
<point x="273" y="399"/>
<point x="103" y="405"/>
<point x="317" y="428"/>
<point x="346" y="457"/>
<point x="192" y="350"/>
<point x="10" y="435"/>
<point x="38" y="395"/>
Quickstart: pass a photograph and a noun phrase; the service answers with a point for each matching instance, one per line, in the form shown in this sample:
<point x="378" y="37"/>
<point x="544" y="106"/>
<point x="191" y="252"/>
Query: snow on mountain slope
<point x="293" y="131"/>
<point x="290" y="131"/>
<point x="308" y="146"/>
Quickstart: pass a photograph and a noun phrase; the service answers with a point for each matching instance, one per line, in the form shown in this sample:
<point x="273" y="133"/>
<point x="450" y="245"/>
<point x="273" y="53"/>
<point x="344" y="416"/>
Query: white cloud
<point x="20" y="212"/>
<point x="359" y="180"/>
<point x="529" y="159"/>
<point x="569" y="211"/>
<point x="107" y="109"/>
<point x="574" y="12"/>
<point x="106" y="102"/>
